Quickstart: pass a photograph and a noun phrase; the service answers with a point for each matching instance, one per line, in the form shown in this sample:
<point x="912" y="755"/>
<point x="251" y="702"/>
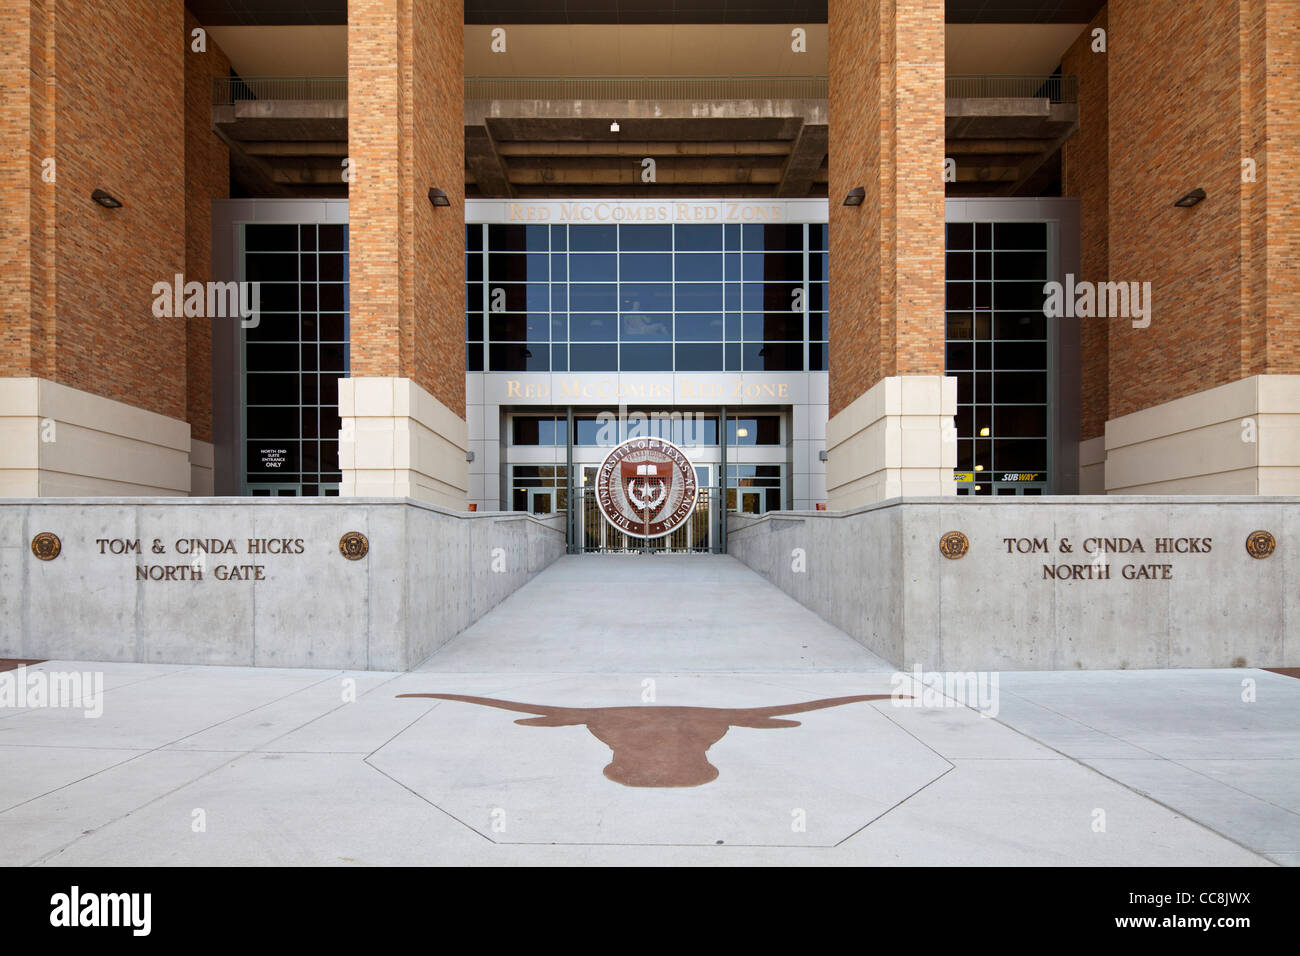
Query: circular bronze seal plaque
<point x="47" y="546"/>
<point x="354" y="546"/>
<point x="1260" y="544"/>
<point x="646" y="487"/>
<point x="954" y="545"/>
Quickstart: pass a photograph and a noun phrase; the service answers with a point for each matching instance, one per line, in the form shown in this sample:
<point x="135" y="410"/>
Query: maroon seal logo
<point x="646" y="487"/>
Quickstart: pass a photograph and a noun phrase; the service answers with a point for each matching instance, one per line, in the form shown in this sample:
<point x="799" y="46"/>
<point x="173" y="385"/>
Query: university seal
<point x="646" y="487"/>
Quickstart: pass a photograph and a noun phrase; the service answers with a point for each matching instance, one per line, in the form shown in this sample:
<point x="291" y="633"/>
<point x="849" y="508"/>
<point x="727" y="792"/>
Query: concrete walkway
<point x="657" y="613"/>
<point x="562" y="713"/>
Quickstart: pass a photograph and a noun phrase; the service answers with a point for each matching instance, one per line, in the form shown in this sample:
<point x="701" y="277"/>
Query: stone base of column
<point x="1092" y="466"/>
<point x="202" y="469"/>
<point x="895" y="440"/>
<point x="398" y="441"/>
<point x="57" y="441"/>
<point x="1242" y="438"/>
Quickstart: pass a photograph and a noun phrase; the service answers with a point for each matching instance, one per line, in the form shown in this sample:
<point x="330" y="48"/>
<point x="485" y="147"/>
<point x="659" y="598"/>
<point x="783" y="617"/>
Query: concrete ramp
<point x="654" y="614"/>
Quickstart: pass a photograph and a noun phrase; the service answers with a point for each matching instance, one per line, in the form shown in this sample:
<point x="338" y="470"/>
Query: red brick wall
<point x="886" y="63"/>
<point x="26" y="201"/>
<point x="1184" y="114"/>
<point x="1085" y="174"/>
<point x="79" y="305"/>
<point x="207" y="177"/>
<point x="406" y="134"/>
<point x="1275" y="198"/>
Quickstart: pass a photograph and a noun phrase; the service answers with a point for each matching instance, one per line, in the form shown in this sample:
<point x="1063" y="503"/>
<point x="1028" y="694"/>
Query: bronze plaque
<point x="954" y="545"/>
<point x="1260" y="544"/>
<point x="47" y="546"/>
<point x="354" y="546"/>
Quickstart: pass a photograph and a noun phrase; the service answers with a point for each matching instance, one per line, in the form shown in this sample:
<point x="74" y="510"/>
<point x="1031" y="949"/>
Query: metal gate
<point x="590" y="533"/>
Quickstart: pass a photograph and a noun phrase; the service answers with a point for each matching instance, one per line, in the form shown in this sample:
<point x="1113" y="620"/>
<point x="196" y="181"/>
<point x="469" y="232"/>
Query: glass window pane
<point x="698" y="238"/>
<point x="588" y="327"/>
<point x="592" y="238"/>
<point x="699" y="327"/>
<point x="645" y="238"/>
<point x="593" y="298"/>
<point x="647" y="327"/>
<point x="593" y="358"/>
<point x="593" y="267"/>
<point x="647" y="358"/>
<point x="698" y="297"/>
<point x="699" y="267"/>
<point x="699" y="357"/>
<point x="645" y="267"/>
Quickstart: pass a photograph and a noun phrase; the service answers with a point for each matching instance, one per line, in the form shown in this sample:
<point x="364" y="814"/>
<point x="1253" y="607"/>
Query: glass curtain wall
<point x="997" y="348"/>
<point x="646" y="298"/>
<point x="294" y="356"/>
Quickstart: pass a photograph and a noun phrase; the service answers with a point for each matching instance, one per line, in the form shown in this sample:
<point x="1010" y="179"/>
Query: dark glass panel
<point x="647" y="358"/>
<point x="270" y="238"/>
<point x="592" y="327"/>
<point x="699" y="357"/>
<point x="643" y="238"/>
<point x="593" y="358"/>
<point x="701" y="327"/>
<point x="1020" y="235"/>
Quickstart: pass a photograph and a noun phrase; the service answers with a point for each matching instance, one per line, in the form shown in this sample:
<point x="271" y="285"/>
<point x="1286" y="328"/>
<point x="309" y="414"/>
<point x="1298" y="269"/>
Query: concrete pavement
<point x="654" y="659"/>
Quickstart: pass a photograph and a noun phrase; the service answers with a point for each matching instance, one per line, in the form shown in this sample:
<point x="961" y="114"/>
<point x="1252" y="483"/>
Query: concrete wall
<point x="878" y="574"/>
<point x="428" y="575"/>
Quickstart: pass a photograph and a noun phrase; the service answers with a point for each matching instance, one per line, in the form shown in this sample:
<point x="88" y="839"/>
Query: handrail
<point x="1057" y="88"/>
<point x="228" y="90"/>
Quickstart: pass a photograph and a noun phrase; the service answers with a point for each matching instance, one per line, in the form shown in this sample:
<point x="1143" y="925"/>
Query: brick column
<point x="1205" y="397"/>
<point x="93" y="386"/>
<point x="1085" y="174"/>
<point x="403" y="410"/>
<point x="891" y="407"/>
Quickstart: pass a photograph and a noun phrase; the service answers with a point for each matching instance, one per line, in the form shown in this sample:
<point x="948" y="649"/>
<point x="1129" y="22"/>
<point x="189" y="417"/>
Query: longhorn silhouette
<point x="658" y="746"/>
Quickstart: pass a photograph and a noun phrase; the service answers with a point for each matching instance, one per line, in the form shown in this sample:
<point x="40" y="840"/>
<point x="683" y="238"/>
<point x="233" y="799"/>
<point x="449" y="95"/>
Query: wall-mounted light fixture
<point x="613" y="127"/>
<point x="823" y="455"/>
<point x="438" y="197"/>
<point x="855" y="196"/>
<point x="469" y="456"/>
<point x="1191" y="199"/>
<point x="106" y="200"/>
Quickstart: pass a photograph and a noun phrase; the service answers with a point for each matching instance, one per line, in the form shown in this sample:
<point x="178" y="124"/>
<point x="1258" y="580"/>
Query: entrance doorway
<point x="701" y="533"/>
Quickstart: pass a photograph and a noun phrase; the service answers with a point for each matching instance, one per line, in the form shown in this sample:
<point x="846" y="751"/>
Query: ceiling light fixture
<point x="613" y="127"/>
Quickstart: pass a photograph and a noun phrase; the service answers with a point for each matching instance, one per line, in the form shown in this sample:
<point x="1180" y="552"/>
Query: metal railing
<point x="229" y="90"/>
<point x="1056" y="88"/>
<point x="644" y="87"/>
